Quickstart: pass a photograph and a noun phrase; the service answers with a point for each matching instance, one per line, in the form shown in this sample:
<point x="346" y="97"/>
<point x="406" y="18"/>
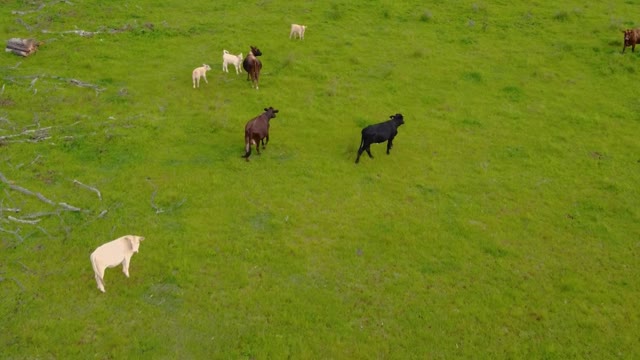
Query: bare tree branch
<point x="158" y="209"/>
<point x="22" y="221"/>
<point x="38" y="195"/>
<point x="88" y="187"/>
<point x="42" y="6"/>
<point x="15" y="233"/>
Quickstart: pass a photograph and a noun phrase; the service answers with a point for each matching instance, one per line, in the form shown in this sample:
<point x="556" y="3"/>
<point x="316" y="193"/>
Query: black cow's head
<point x="271" y="112"/>
<point x="255" y="51"/>
<point x="398" y="118"/>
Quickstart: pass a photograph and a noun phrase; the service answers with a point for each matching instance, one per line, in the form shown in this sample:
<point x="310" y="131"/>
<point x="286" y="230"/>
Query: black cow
<point x="378" y="133"/>
<point x="252" y="65"/>
<point x="257" y="130"/>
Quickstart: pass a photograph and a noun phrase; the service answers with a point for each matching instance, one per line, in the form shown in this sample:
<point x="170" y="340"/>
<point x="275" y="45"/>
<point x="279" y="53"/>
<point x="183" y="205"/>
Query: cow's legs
<point x="389" y="145"/>
<point x="360" y="150"/>
<point x="125" y="266"/>
<point x="264" y="144"/>
<point x="247" y="147"/>
<point x="369" y="151"/>
<point x="99" y="275"/>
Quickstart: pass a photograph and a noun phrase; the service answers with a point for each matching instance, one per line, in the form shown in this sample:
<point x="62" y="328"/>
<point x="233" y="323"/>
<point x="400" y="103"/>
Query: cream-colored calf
<point x="297" y="30"/>
<point x="235" y="60"/>
<point x="112" y="254"/>
<point x="198" y="73"/>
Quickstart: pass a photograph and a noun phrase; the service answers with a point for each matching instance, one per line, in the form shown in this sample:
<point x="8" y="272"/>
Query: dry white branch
<point x="15" y="233"/>
<point x="88" y="187"/>
<point x="38" y="195"/>
<point x="39" y="214"/>
<point x="75" y="82"/>
<point x="42" y="6"/>
<point x="103" y="213"/>
<point x="69" y="207"/>
<point x="27" y="26"/>
<point x="158" y="209"/>
<point x="153" y="204"/>
<point x="34" y="135"/>
<point x="79" y="83"/>
<point x="22" y="221"/>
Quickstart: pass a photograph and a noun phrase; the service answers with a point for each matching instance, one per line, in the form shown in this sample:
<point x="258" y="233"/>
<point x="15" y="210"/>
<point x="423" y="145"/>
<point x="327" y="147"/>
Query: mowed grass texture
<point x="504" y="223"/>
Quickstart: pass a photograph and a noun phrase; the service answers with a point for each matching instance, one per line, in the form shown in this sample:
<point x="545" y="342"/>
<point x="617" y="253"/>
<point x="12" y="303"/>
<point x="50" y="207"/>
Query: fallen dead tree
<point x="75" y="82"/>
<point x="22" y="47"/>
<point x="41" y="197"/>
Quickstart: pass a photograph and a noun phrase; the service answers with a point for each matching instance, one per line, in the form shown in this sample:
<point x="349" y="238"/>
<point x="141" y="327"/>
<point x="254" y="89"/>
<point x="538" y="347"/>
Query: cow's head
<point x="255" y="51"/>
<point x="398" y="118"/>
<point x="135" y="242"/>
<point x="271" y="112"/>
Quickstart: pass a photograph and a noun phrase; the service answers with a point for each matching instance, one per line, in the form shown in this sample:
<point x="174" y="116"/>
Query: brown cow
<point x="257" y="130"/>
<point x="631" y="38"/>
<point x="252" y="65"/>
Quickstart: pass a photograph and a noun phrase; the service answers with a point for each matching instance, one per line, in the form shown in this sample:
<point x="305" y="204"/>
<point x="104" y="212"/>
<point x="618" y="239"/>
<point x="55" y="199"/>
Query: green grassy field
<point x="504" y="224"/>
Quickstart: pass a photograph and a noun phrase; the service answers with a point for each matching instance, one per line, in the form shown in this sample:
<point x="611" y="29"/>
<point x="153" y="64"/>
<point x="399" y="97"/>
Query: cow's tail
<point x="247" y="146"/>
<point x="361" y="143"/>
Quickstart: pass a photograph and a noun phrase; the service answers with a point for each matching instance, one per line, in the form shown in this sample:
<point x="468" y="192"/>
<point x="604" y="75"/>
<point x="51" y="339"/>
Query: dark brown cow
<point x="252" y="65"/>
<point x="631" y="38"/>
<point x="257" y="130"/>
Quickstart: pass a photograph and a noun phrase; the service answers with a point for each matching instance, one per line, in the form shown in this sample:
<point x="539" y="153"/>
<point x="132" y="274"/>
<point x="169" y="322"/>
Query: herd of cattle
<point x="256" y="132"/>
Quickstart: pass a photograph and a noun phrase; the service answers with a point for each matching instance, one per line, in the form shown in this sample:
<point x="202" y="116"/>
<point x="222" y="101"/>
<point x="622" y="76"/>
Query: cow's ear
<point x="275" y="111"/>
<point x="140" y="238"/>
<point x="265" y="109"/>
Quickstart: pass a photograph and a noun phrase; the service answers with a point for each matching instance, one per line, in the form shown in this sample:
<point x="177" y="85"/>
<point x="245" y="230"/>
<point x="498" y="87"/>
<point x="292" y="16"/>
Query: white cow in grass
<point x="112" y="254"/>
<point x="297" y="30"/>
<point x="235" y="60"/>
<point x="200" y="72"/>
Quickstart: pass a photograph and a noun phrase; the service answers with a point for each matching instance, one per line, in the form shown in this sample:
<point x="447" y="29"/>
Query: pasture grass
<point x="504" y="224"/>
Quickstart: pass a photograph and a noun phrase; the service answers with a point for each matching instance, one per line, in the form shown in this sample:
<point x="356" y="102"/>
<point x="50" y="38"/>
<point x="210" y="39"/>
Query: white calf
<point x="297" y="30"/>
<point x="235" y="60"/>
<point x="112" y="254"/>
<point x="198" y="73"/>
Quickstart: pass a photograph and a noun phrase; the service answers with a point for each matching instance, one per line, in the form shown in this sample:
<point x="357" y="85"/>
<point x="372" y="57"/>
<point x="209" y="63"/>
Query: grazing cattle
<point x="297" y="30"/>
<point x="257" y="130"/>
<point x="378" y="133"/>
<point x="198" y="73"/>
<point x="234" y="60"/>
<point x="112" y="254"/>
<point x="252" y="65"/>
<point x="631" y="38"/>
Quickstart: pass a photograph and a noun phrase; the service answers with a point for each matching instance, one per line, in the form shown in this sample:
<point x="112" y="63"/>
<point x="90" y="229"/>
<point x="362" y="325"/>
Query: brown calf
<point x="631" y="38"/>
<point x="257" y="130"/>
<point x="252" y="65"/>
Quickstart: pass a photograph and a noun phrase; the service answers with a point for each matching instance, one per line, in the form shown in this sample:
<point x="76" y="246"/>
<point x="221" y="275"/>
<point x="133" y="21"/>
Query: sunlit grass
<point x="502" y="225"/>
